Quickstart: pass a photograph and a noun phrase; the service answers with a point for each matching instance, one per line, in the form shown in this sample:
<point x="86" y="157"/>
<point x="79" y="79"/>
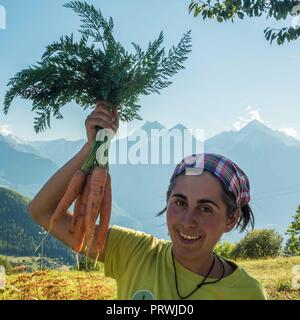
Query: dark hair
<point x="246" y="217"/>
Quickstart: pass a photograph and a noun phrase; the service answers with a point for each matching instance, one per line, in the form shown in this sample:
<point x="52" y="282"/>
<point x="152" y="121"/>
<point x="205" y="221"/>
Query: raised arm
<point x="46" y="200"/>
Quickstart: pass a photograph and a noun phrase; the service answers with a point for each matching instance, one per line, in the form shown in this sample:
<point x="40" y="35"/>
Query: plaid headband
<point x="231" y="176"/>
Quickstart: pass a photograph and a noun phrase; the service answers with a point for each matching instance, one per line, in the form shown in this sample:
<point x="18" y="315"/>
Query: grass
<point x="275" y="274"/>
<point x="58" y="285"/>
<point x="33" y="263"/>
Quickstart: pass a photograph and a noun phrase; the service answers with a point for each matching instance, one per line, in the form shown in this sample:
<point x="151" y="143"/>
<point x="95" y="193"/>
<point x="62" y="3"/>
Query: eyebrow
<point x="180" y="195"/>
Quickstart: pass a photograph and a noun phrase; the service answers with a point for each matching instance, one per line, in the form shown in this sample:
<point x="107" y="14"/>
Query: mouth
<point x="188" y="238"/>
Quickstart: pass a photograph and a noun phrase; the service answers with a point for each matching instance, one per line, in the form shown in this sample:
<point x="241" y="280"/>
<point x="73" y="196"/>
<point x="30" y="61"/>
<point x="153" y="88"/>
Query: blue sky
<point x="232" y="75"/>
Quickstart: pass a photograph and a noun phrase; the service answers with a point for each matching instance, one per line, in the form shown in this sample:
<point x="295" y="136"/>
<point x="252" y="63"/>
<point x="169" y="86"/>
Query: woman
<point x="208" y="195"/>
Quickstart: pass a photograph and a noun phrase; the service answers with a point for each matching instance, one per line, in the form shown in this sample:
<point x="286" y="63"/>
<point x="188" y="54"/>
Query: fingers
<point x="103" y="109"/>
<point x="100" y="119"/>
<point x="104" y="117"/>
<point x="103" y="106"/>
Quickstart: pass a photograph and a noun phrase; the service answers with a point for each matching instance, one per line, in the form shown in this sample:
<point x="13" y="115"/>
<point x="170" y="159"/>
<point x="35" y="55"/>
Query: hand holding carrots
<point x="101" y="117"/>
<point x="90" y="187"/>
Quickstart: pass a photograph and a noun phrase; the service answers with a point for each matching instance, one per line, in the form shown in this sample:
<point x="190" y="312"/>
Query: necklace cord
<point x="203" y="281"/>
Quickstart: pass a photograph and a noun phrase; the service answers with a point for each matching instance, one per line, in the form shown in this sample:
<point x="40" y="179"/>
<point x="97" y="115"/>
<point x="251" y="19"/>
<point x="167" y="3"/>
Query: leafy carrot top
<point x="95" y="68"/>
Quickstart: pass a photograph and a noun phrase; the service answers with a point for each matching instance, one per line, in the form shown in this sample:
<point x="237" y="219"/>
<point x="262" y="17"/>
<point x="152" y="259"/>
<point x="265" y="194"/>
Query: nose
<point x="188" y="219"/>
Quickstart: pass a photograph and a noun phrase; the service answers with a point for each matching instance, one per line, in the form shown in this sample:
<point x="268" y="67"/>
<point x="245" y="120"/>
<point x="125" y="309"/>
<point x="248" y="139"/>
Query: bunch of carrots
<point x="90" y="188"/>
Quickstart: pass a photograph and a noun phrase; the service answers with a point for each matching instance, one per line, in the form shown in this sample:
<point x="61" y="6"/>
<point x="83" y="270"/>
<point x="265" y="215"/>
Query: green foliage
<point x="237" y="9"/>
<point x="259" y="244"/>
<point x="293" y="244"/>
<point x="20" y="235"/>
<point x="283" y="285"/>
<point x="224" y="249"/>
<point x="95" y="68"/>
<point x="88" y="264"/>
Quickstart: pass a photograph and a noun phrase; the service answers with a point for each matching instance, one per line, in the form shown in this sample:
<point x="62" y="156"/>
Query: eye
<point x="179" y="203"/>
<point x="206" y="209"/>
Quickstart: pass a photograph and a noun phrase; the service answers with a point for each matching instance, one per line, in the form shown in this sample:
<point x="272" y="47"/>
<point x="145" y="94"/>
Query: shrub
<point x="292" y="247"/>
<point x="259" y="244"/>
<point x="224" y="249"/>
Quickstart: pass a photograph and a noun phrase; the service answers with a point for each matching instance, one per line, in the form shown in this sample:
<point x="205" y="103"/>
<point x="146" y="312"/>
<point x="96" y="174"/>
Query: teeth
<point x="186" y="236"/>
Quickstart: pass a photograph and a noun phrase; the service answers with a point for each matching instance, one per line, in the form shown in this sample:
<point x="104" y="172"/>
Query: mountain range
<point x="269" y="157"/>
<point x="20" y="235"/>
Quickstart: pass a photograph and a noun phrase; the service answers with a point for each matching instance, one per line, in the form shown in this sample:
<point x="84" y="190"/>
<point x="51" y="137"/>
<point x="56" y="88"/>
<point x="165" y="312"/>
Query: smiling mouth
<point x="187" y="237"/>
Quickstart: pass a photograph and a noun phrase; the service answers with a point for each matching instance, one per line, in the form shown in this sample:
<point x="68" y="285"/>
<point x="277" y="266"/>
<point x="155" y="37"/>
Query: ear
<point x="232" y="221"/>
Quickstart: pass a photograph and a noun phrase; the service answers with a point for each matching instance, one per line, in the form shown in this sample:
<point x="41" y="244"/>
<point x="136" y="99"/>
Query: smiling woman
<point x="198" y="214"/>
<point x="202" y="207"/>
<point x="208" y="196"/>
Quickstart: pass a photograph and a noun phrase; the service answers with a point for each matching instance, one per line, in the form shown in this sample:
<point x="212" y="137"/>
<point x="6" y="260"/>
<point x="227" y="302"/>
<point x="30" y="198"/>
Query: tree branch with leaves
<point x="293" y="244"/>
<point x="229" y="10"/>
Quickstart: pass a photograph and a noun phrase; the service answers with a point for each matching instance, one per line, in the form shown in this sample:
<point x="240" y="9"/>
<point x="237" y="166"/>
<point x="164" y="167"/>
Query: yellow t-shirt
<point x="143" y="268"/>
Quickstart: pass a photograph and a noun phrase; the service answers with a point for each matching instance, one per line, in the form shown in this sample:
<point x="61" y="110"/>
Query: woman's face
<point x="197" y="215"/>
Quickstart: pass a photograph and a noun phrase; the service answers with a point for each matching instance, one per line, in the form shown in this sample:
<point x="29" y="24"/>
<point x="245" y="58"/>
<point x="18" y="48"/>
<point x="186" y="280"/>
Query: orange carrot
<point x="80" y="205"/>
<point x="73" y="190"/>
<point x="77" y="227"/>
<point x="77" y="239"/>
<point x="97" y="184"/>
<point x="76" y="214"/>
<point x="105" y="213"/>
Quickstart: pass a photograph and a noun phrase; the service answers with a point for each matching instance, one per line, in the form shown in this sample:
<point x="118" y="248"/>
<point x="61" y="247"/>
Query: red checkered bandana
<point x="231" y="176"/>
